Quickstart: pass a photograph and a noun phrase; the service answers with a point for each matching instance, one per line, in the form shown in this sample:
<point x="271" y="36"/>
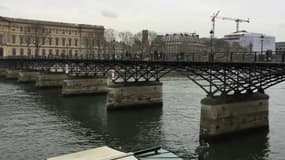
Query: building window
<point x="14" y="51"/>
<point x="13" y="39"/>
<point x="44" y="52"/>
<point x="93" y="42"/>
<point x="63" y="41"/>
<point x="57" y="52"/>
<point x="28" y="40"/>
<point x="21" y="29"/>
<point x="70" y="53"/>
<point x="56" y="41"/>
<point x="29" y="29"/>
<point x="1" y="39"/>
<point x="36" y="52"/>
<point x="29" y="52"/>
<point x="50" y="52"/>
<point x="69" y="42"/>
<point x="76" y="53"/>
<point x="76" y="42"/>
<point x="21" y="51"/>
<point x="21" y="39"/>
<point x="50" y="41"/>
<point x="87" y="42"/>
<point x="43" y="40"/>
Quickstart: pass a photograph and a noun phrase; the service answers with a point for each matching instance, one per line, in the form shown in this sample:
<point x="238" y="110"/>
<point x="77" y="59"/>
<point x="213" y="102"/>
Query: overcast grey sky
<point x="163" y="16"/>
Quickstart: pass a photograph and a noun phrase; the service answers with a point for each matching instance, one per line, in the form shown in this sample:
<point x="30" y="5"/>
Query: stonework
<point x="84" y="86"/>
<point x="27" y="77"/>
<point x="148" y="94"/>
<point x="221" y="119"/>
<point x="12" y="74"/>
<point x="50" y="80"/>
<point x="22" y="37"/>
<point x="2" y="72"/>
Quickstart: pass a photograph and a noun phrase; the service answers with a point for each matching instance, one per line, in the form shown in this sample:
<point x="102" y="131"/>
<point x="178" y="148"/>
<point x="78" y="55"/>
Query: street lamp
<point x="211" y="56"/>
<point x="262" y="38"/>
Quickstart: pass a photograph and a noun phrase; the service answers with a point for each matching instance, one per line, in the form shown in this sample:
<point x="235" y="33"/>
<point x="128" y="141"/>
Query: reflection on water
<point x="252" y="146"/>
<point x="36" y="124"/>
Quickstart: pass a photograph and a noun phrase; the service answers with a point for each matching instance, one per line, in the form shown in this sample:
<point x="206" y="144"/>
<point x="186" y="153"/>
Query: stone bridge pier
<point x="84" y="85"/>
<point x="27" y="76"/>
<point x="134" y="95"/>
<point x="11" y="74"/>
<point x="2" y="73"/>
<point x="225" y="115"/>
<point x="50" y="80"/>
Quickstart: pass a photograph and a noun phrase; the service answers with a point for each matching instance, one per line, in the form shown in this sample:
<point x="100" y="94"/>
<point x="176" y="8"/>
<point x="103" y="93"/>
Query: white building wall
<point x="255" y="39"/>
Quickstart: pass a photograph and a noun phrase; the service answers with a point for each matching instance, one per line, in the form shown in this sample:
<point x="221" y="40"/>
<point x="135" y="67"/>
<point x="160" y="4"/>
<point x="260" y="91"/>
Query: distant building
<point x="23" y="37"/>
<point x="253" y="42"/>
<point x="280" y="47"/>
<point x="145" y="41"/>
<point x="178" y="43"/>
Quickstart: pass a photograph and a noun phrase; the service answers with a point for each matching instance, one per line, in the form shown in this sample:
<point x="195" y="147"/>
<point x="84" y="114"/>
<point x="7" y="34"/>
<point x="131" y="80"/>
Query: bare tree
<point x="127" y="39"/>
<point x="110" y="38"/>
<point x="110" y="35"/>
<point x="35" y="35"/>
<point x="151" y="36"/>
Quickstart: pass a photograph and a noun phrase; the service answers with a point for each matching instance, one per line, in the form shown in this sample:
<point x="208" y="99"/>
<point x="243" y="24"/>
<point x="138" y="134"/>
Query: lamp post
<point x="262" y="38"/>
<point x="211" y="56"/>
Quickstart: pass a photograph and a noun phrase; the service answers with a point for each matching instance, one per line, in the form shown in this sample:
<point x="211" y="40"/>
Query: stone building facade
<point x="178" y="43"/>
<point x="23" y="37"/>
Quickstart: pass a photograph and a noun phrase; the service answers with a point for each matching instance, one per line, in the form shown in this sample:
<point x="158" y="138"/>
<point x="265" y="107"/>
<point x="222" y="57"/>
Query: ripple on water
<point x="38" y="124"/>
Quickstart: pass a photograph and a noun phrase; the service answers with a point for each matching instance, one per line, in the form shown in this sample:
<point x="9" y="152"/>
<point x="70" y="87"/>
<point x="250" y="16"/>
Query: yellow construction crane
<point x="237" y="20"/>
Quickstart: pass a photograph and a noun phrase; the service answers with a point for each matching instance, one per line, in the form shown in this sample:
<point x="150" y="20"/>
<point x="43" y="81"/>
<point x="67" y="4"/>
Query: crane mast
<point x="215" y="15"/>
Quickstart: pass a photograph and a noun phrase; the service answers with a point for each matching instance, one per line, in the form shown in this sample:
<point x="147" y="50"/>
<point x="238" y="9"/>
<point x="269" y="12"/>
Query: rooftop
<point x="179" y="37"/>
<point x="51" y="23"/>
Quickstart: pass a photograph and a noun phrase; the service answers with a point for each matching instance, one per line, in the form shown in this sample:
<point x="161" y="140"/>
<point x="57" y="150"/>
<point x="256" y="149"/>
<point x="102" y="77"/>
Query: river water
<point x="36" y="124"/>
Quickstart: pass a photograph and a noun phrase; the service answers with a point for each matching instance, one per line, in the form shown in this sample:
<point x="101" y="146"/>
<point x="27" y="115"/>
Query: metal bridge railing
<point x="246" y="57"/>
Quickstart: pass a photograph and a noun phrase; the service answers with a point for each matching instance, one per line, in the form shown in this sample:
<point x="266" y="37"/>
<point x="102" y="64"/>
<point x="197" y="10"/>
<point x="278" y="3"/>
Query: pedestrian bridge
<point x="234" y="83"/>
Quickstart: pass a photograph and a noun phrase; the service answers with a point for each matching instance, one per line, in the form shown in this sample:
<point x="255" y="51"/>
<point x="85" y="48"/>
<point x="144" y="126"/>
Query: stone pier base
<point x="2" y="73"/>
<point x="133" y="95"/>
<point x="27" y="76"/>
<point x="233" y="114"/>
<point x="12" y="74"/>
<point x="50" y="80"/>
<point x="84" y="86"/>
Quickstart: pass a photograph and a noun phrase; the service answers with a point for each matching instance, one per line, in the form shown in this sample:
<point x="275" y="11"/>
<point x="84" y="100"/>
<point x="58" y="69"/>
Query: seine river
<point x="36" y="124"/>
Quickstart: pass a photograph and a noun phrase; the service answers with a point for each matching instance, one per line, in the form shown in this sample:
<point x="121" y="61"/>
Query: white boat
<point x="107" y="153"/>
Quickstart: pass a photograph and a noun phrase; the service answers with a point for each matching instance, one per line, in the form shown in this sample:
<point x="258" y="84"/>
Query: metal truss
<point x="215" y="78"/>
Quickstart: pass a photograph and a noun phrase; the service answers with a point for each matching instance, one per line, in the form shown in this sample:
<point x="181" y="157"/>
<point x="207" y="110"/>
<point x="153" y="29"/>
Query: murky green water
<point x="36" y="124"/>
